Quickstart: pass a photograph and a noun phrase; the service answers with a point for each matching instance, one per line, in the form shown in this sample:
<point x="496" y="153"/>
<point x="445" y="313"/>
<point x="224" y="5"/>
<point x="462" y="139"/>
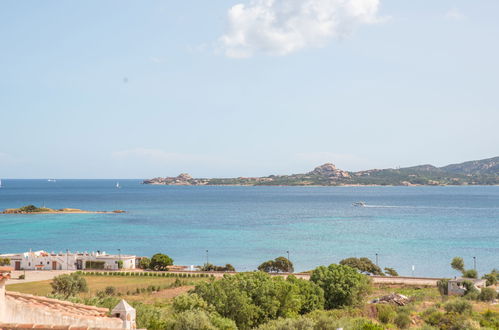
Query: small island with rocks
<point x="32" y="209"/>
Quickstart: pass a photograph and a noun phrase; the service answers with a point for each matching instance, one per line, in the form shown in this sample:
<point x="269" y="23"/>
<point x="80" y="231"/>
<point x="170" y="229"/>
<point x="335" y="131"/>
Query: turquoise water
<point x="421" y="226"/>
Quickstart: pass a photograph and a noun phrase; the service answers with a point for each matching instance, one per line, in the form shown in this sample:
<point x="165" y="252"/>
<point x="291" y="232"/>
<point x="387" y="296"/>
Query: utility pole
<point x="474" y="263"/>
<point x="67" y="258"/>
<point x="288" y="254"/>
<point x="376" y="259"/>
<point x="207" y="259"/>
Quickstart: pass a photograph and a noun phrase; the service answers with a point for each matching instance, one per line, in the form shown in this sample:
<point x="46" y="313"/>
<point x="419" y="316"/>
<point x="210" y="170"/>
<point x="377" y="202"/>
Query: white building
<point x="42" y="260"/>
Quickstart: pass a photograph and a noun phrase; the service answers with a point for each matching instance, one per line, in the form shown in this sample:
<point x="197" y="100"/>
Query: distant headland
<point x="32" y="209"/>
<point x="478" y="172"/>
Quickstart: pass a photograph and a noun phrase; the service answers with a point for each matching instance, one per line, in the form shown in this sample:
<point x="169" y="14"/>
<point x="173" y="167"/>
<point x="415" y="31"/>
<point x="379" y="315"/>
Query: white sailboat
<point x="0" y="183"/>
<point x="118" y="185"/>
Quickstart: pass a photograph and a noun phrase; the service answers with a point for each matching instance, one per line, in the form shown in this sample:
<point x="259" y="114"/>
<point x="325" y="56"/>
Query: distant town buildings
<point x="42" y="260"/>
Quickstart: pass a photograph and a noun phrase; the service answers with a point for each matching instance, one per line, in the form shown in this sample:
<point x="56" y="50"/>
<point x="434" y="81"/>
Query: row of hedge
<point x="153" y="274"/>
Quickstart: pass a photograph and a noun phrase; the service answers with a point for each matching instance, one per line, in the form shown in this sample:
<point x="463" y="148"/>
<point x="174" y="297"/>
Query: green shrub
<point x="68" y="285"/>
<point x="187" y="302"/>
<point x="301" y="323"/>
<point x="487" y="294"/>
<point x="110" y="291"/>
<point x="470" y="273"/>
<point x="432" y="316"/>
<point x="489" y="319"/>
<point x="402" y="320"/>
<point x="491" y="278"/>
<point x="386" y="313"/>
<point x="458" y="306"/>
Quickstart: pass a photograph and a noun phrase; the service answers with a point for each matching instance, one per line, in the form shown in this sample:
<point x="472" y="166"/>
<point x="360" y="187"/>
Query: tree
<point x="144" y="263"/>
<point x="160" y="261"/>
<point x="69" y="285"/>
<point x="364" y="265"/>
<point x="470" y="273"/>
<point x="492" y="277"/>
<point x="391" y="271"/>
<point x="458" y="264"/>
<point x="279" y="264"/>
<point x="342" y="285"/>
<point x="254" y="298"/>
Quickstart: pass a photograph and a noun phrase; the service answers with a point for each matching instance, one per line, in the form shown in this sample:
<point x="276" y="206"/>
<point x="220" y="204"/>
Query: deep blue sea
<point x="405" y="226"/>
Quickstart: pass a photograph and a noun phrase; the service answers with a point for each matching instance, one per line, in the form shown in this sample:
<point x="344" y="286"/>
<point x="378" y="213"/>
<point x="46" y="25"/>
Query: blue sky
<point x="129" y="89"/>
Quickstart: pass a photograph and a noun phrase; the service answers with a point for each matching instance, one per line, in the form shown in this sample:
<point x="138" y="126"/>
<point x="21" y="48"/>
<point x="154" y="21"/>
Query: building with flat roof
<point x="42" y="260"/>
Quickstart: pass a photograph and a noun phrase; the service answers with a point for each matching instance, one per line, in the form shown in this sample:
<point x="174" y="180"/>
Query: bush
<point x="301" y="323"/>
<point x="144" y="263"/>
<point x="251" y="299"/>
<point x="487" y="294"/>
<point x="186" y="302"/>
<point x="386" y="313"/>
<point x="189" y="320"/>
<point x="110" y="291"/>
<point x="491" y="278"/>
<point x="402" y="320"/>
<point x="490" y="319"/>
<point x="342" y="285"/>
<point x="68" y="285"/>
<point x="458" y="306"/>
<point x="470" y="273"/>
<point x="22" y="277"/>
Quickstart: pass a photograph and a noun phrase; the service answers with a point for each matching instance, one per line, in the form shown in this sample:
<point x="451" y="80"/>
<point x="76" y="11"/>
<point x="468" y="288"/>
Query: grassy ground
<point x="123" y="285"/>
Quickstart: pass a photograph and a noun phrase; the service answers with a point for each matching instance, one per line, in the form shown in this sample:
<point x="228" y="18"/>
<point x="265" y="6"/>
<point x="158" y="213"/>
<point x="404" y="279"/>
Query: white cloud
<point x="280" y="27"/>
<point x="454" y="14"/>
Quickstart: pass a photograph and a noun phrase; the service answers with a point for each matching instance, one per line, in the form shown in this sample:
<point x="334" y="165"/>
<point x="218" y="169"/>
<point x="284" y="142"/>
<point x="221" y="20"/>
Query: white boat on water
<point x="359" y="204"/>
<point x="51" y="180"/>
<point x="118" y="185"/>
<point x="0" y="183"/>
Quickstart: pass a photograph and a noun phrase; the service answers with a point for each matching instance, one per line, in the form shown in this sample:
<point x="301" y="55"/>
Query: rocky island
<point x="478" y="172"/>
<point x="32" y="209"/>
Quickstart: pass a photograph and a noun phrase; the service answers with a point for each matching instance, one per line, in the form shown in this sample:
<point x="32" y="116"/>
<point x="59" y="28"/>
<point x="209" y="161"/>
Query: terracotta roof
<point x="65" y="307"/>
<point x="9" y="326"/>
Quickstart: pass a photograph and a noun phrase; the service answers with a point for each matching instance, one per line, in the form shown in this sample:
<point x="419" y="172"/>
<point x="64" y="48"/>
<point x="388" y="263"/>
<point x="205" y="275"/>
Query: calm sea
<point x="405" y="226"/>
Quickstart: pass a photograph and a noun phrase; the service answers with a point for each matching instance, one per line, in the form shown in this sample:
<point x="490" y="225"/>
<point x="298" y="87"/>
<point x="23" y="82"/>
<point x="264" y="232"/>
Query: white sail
<point x="118" y="185"/>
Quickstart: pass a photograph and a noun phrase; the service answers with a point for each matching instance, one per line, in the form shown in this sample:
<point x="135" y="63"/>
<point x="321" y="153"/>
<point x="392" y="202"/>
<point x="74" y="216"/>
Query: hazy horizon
<point x="121" y="89"/>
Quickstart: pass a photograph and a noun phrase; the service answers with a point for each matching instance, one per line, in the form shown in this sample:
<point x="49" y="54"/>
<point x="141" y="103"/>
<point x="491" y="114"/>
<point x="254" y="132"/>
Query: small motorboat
<point x="359" y="204"/>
